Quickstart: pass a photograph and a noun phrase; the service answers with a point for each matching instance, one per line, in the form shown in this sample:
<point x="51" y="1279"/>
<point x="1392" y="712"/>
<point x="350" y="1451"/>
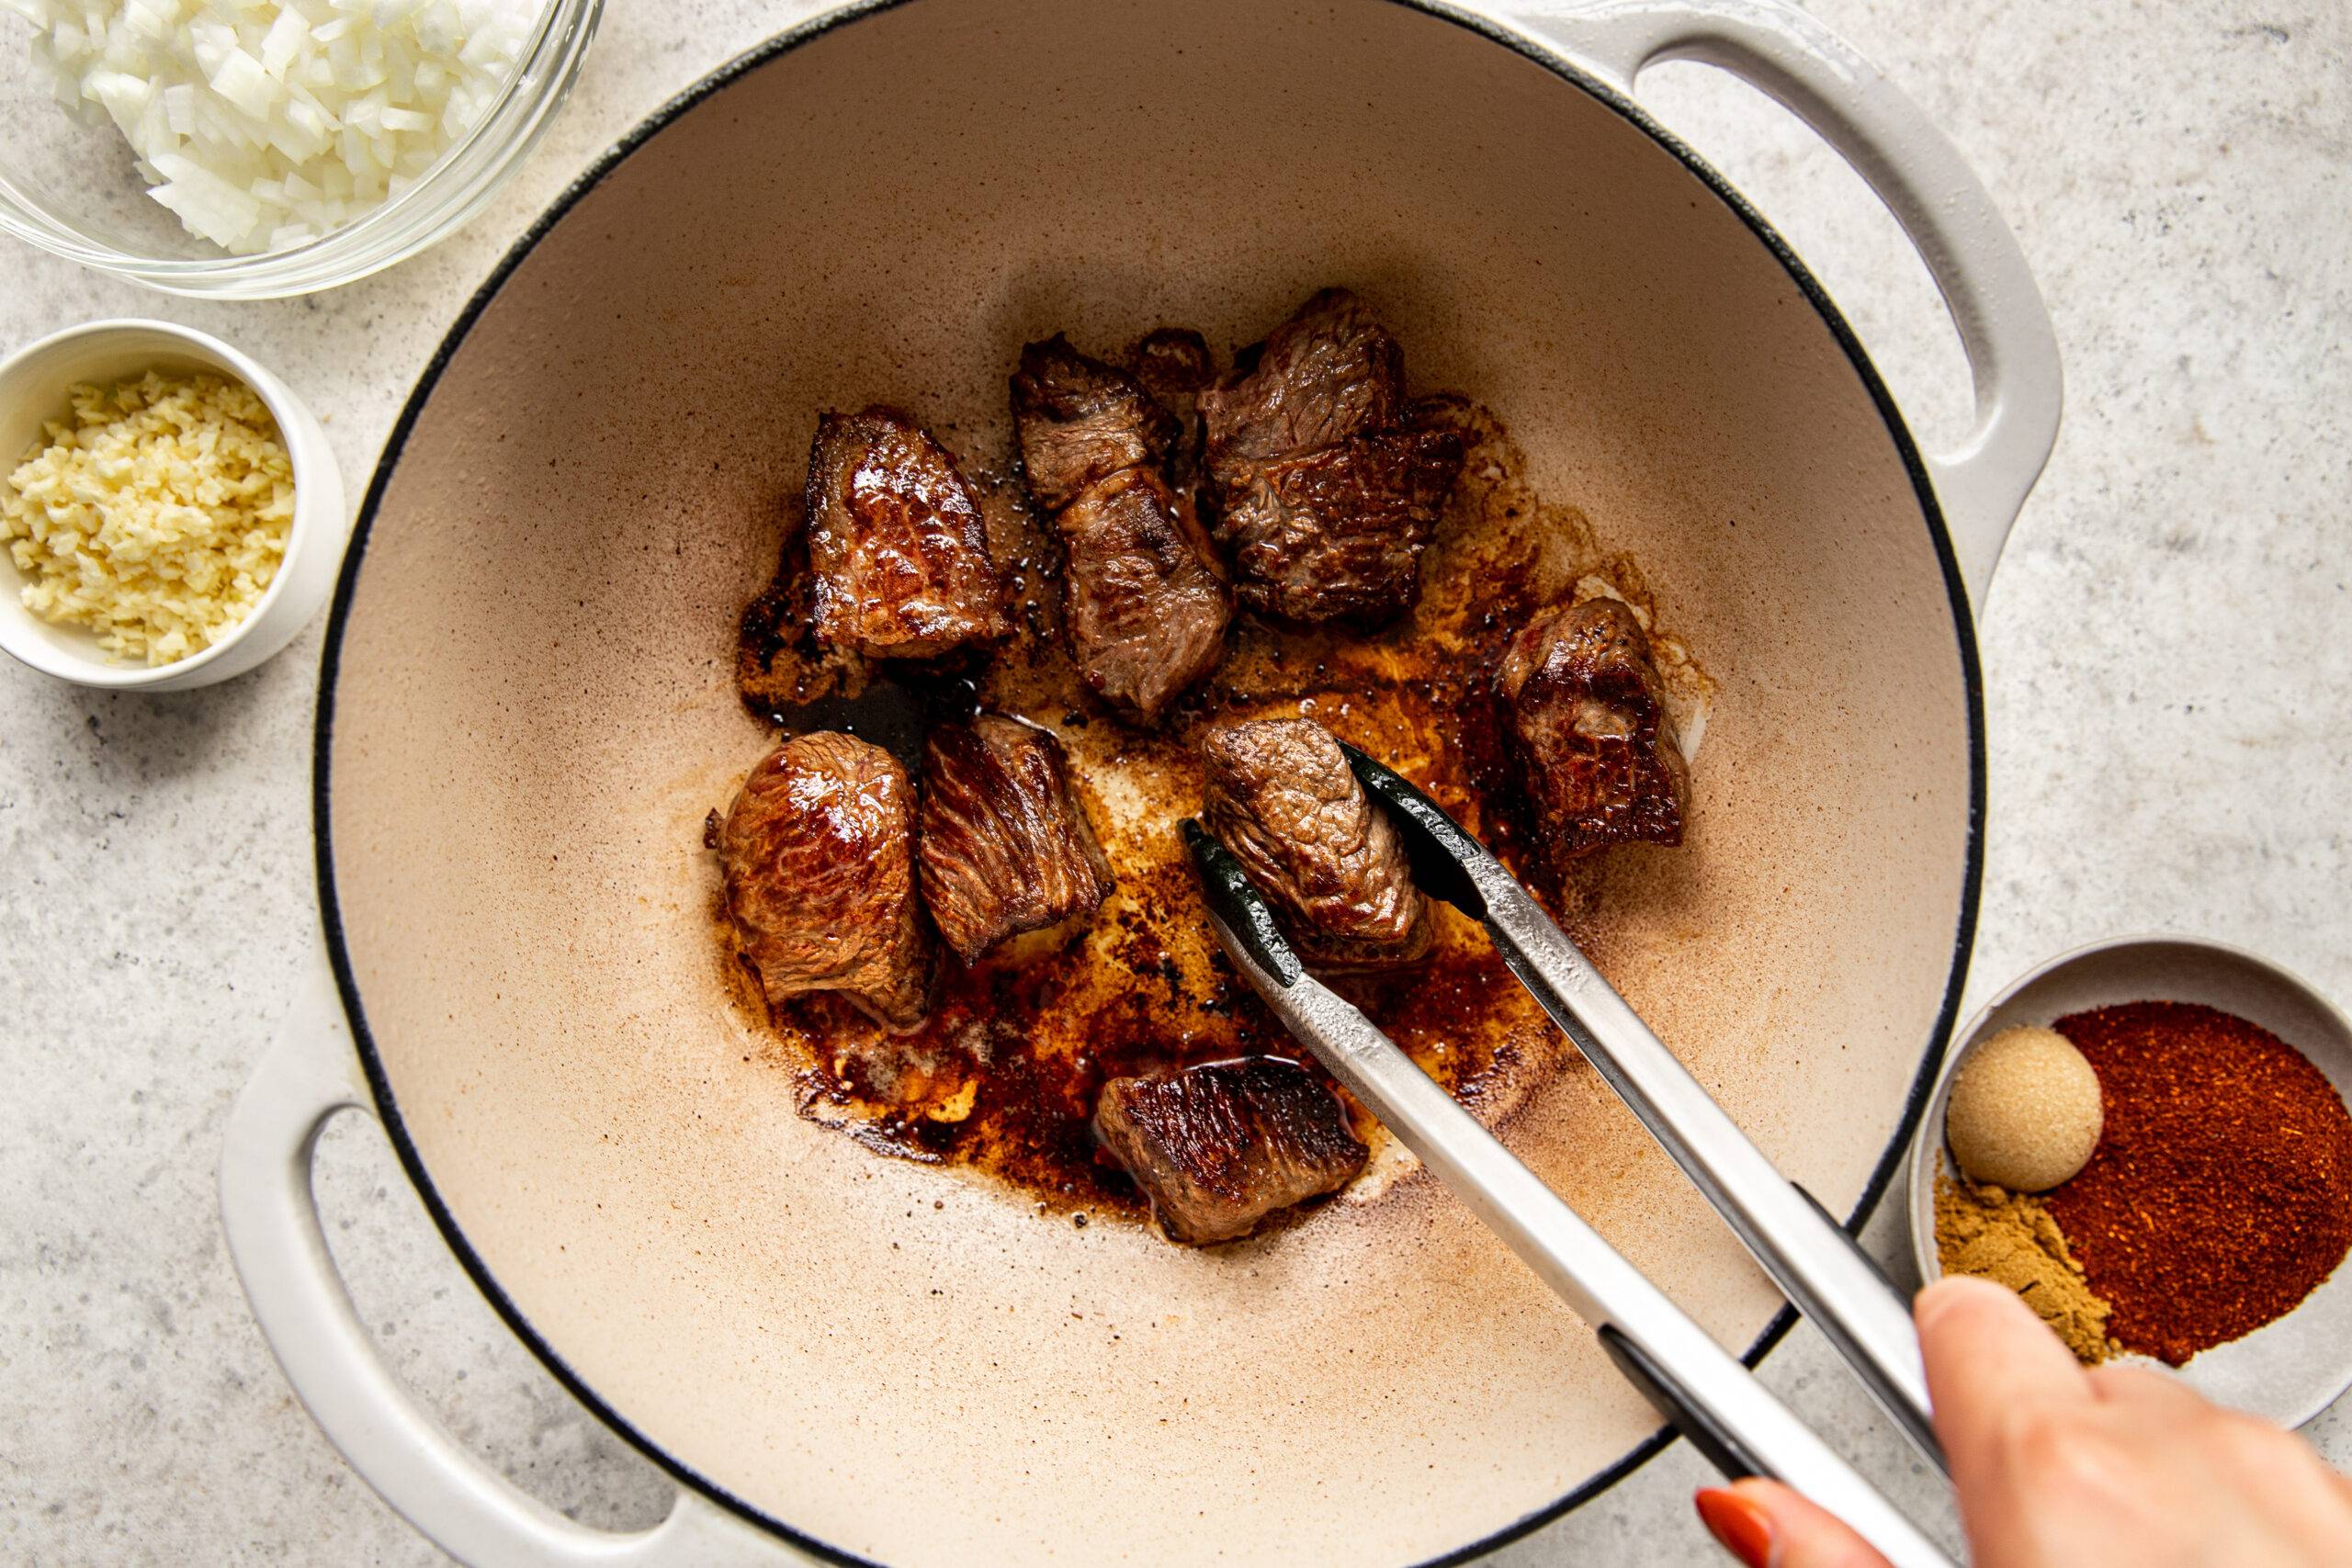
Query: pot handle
<point x="271" y="1219"/>
<point x="1943" y="208"/>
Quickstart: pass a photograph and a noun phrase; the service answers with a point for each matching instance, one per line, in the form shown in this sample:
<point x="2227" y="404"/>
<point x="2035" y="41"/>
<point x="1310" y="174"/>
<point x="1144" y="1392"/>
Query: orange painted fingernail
<point x="1739" y="1523"/>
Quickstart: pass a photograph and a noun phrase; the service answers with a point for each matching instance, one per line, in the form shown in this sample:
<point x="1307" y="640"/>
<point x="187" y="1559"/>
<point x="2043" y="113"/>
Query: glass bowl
<point x="71" y="189"/>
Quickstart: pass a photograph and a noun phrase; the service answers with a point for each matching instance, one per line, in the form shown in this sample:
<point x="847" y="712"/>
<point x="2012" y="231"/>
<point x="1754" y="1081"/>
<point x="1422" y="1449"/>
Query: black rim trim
<point x="338" y="954"/>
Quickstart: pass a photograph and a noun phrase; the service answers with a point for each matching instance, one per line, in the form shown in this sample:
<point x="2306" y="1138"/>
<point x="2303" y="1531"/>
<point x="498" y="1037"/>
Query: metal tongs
<point x="1705" y="1392"/>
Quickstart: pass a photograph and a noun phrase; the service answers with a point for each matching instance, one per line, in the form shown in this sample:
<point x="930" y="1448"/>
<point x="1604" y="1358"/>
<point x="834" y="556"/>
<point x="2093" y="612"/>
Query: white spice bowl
<point x="36" y="383"/>
<point x="2295" y="1367"/>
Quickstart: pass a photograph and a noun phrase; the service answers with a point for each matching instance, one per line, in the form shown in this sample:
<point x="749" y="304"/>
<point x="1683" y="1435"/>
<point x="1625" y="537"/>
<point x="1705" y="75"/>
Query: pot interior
<point x="532" y="708"/>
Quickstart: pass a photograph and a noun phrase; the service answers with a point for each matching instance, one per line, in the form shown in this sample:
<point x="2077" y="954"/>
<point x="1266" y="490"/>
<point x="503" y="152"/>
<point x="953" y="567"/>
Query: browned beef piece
<point x="1004" y="847"/>
<point x="1218" y="1149"/>
<point x="1173" y="364"/>
<point x="1145" y="613"/>
<point x="1078" y="421"/>
<point x="1281" y="796"/>
<point x="1326" y="491"/>
<point x="1337" y="533"/>
<point x="896" y="544"/>
<point x="1329" y="373"/>
<point x="1145" y="610"/>
<point x="819" y="859"/>
<point x="1597" y="751"/>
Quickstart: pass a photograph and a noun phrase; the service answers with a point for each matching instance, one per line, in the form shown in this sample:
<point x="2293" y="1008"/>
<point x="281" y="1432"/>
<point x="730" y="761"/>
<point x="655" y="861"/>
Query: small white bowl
<point x="35" y="386"/>
<point x="2288" y="1371"/>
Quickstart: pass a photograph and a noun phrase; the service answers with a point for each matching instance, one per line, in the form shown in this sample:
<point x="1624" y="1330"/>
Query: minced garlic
<point x="156" y="517"/>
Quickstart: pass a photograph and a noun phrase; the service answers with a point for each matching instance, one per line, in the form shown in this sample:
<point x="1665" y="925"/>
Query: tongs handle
<point x="1732" y="1419"/>
<point x="1822" y="1270"/>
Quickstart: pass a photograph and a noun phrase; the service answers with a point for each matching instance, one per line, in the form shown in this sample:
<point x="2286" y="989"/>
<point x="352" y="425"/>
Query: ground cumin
<point x="2220" y="1192"/>
<point x="2009" y="1237"/>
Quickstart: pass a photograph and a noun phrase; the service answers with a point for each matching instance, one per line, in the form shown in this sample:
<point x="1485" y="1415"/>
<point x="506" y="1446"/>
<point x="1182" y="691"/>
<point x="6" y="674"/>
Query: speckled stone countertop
<point x="2164" y="647"/>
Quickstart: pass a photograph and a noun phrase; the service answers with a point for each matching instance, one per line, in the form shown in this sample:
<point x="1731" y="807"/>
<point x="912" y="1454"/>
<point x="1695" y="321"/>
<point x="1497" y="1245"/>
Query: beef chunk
<point x="1172" y="363"/>
<point x="819" y="861"/>
<point x="1145" y="610"/>
<point x="1597" y="752"/>
<point x="1145" y="613"/>
<point x="1218" y="1149"/>
<point x="1281" y="796"/>
<point x="897" y="546"/>
<point x="1337" y="533"/>
<point x="1004" y="848"/>
<point x="1078" y="421"/>
<point x="1175" y="366"/>
<point x="1326" y="491"/>
<point x="1329" y="373"/>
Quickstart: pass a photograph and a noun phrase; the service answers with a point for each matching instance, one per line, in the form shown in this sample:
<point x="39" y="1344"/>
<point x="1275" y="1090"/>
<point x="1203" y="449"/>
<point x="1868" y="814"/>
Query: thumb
<point x="1766" y="1525"/>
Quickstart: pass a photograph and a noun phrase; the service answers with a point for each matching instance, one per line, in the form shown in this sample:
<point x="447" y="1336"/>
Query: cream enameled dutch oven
<point x="526" y="707"/>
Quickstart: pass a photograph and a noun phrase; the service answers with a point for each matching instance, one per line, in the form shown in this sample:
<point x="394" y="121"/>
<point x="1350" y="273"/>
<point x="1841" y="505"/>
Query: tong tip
<point x="1441" y="853"/>
<point x="1241" y="912"/>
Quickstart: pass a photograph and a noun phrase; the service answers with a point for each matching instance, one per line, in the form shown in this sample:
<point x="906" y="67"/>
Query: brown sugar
<point x="2024" y="1112"/>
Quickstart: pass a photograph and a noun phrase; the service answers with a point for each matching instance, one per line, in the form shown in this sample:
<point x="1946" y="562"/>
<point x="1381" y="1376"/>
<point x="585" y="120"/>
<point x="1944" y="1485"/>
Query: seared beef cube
<point x="1080" y="421"/>
<point x="1004" y="848"/>
<point x="1337" y="535"/>
<point x="1173" y="364"/>
<point x="1329" y="373"/>
<point x="1218" y="1149"/>
<point x="1281" y="796"/>
<point x="1325" y="494"/>
<point x="1145" y="612"/>
<point x="817" y="858"/>
<point x="1597" y="751"/>
<point x="896" y="544"/>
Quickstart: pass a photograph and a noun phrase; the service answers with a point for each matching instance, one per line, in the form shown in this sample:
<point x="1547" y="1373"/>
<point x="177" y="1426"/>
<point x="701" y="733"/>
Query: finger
<point x="1988" y="1358"/>
<point x="2140" y="1386"/>
<point x="1766" y="1525"/>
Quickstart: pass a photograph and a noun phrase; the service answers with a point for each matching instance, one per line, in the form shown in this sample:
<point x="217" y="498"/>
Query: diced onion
<point x="266" y="123"/>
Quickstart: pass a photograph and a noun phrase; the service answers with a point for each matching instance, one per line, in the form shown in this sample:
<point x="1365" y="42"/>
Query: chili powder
<point x="2220" y="1192"/>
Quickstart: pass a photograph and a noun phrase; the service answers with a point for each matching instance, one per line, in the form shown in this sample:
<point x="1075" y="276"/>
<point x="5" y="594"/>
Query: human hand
<point x="2058" y="1466"/>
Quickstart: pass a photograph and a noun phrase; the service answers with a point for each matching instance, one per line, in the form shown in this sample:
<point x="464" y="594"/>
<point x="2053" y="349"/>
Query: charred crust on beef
<point x="1280" y="795"/>
<point x="1004" y="847"/>
<point x="1324" y="488"/>
<point x="1218" y="1148"/>
<point x="897" y="548"/>
<point x="1595" y="747"/>
<point x="817" y="857"/>
<point x="780" y="663"/>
